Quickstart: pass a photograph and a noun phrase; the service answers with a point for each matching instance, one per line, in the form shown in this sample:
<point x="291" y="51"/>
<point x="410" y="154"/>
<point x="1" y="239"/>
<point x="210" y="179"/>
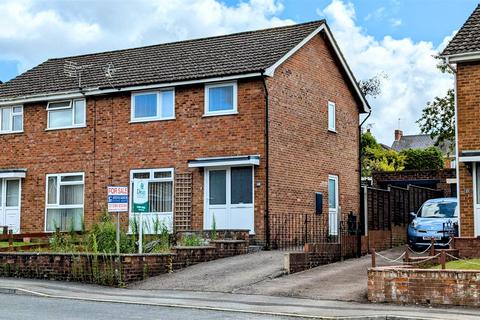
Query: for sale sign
<point x="117" y="199"/>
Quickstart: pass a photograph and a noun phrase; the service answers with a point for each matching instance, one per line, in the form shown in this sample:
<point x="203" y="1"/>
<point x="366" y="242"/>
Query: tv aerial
<point x="74" y="70"/>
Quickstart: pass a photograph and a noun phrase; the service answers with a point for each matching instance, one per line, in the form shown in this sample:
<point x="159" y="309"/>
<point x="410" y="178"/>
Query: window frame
<point x="71" y="106"/>
<point x="12" y="115"/>
<point x="159" y="116"/>
<point x="57" y="205"/>
<point x="152" y="178"/>
<point x="208" y="86"/>
<point x="332" y="128"/>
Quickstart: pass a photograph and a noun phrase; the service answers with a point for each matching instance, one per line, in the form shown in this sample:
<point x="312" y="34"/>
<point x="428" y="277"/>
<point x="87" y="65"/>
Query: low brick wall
<point x="112" y="269"/>
<point x="411" y="286"/>
<point x="187" y="256"/>
<point x="314" y="255"/>
<point x="82" y="267"/>
<point x="468" y="247"/>
<point x="385" y="239"/>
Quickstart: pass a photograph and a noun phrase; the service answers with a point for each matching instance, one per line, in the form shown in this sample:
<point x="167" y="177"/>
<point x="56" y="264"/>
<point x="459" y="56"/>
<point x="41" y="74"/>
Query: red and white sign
<point x="117" y="199"/>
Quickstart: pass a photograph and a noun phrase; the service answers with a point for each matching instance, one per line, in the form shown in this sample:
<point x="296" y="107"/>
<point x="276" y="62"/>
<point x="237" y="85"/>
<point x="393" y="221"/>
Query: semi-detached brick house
<point x="235" y="128"/>
<point x="463" y="53"/>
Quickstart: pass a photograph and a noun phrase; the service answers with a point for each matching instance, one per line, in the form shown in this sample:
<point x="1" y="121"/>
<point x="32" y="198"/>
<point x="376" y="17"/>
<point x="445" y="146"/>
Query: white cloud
<point x="376" y="14"/>
<point x="413" y="78"/>
<point x="33" y="31"/>
<point x="395" y="22"/>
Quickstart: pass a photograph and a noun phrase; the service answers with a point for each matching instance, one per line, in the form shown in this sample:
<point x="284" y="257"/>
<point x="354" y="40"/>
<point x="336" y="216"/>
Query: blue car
<point x="436" y="218"/>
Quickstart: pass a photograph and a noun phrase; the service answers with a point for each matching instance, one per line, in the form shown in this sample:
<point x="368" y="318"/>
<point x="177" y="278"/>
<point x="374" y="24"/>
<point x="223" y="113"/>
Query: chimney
<point x="398" y="134"/>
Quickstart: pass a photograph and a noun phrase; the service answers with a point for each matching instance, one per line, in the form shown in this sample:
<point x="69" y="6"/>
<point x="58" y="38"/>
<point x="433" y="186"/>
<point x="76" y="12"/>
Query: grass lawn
<point x="462" y="265"/>
<point x="4" y="244"/>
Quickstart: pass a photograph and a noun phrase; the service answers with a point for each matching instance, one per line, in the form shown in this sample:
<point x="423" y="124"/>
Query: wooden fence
<point x="386" y="212"/>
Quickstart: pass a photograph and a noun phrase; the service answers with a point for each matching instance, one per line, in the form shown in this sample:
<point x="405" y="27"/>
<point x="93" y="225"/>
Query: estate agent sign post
<point x="140" y="206"/>
<point x="117" y="202"/>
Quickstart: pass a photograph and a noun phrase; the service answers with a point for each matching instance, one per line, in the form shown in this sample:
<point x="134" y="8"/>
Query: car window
<point x="439" y="210"/>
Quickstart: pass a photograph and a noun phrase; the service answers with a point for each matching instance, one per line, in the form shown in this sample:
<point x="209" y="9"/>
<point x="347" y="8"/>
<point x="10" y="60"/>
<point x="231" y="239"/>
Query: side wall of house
<point x="303" y="153"/>
<point x="109" y="147"/>
<point x="468" y="115"/>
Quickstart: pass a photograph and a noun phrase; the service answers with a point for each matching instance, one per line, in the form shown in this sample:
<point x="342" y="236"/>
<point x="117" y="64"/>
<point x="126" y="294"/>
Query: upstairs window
<point x="157" y="105"/>
<point x="11" y="119"/>
<point x="66" y="114"/>
<point x="331" y="116"/>
<point x="220" y="99"/>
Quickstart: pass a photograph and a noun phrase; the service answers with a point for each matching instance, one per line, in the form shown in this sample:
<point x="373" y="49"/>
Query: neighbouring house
<point x="463" y="55"/>
<point x="232" y="128"/>
<point x="423" y="141"/>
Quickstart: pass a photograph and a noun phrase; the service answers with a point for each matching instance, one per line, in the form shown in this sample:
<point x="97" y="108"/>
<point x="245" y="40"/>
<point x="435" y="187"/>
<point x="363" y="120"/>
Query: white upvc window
<point x="11" y="119"/>
<point x="160" y="199"/>
<point x="66" y="114"/>
<point x="331" y="116"/>
<point x="153" y="105"/>
<point x="220" y="99"/>
<point x="64" y="201"/>
<point x="160" y="188"/>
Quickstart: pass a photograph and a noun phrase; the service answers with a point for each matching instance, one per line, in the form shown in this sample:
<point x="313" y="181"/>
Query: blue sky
<point x="394" y="38"/>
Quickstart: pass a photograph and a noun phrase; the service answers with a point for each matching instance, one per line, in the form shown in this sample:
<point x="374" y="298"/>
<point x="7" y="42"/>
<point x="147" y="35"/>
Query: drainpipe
<point x="457" y="162"/>
<point x="360" y="158"/>
<point x="267" y="189"/>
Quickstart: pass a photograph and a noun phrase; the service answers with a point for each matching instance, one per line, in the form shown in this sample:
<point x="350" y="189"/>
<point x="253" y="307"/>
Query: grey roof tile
<point x="419" y="141"/>
<point x="467" y="39"/>
<point x="232" y="54"/>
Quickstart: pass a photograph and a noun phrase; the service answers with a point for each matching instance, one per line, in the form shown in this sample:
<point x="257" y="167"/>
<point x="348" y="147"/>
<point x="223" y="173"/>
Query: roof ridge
<point x="295" y="25"/>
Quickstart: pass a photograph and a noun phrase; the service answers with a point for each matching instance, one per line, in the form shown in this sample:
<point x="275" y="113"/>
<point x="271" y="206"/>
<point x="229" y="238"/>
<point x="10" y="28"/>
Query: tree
<point x="377" y="158"/>
<point x="423" y="159"/>
<point x="372" y="87"/>
<point x="438" y="116"/>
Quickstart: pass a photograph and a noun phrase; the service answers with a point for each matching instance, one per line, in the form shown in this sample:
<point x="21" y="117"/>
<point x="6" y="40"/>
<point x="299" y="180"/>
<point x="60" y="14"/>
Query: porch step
<point x="253" y="249"/>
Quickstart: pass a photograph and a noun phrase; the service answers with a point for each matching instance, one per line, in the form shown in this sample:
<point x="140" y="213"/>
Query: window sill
<point x="66" y="128"/>
<point x="332" y="130"/>
<point x="151" y="120"/>
<point x="220" y="114"/>
<point x="11" y="132"/>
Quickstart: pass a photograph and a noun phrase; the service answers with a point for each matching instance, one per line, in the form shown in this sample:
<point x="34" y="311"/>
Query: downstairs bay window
<point x="64" y="202"/>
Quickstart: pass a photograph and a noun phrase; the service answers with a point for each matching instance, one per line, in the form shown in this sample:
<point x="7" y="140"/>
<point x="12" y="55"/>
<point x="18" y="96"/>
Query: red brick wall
<point x="418" y="286"/>
<point x="468" y="247"/>
<point x="468" y="113"/>
<point x="109" y="147"/>
<point x="302" y="151"/>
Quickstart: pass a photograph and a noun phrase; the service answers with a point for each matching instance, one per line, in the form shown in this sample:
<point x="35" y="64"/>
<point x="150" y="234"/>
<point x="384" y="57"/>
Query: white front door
<point x="476" y="199"/>
<point x="333" y="205"/>
<point x="229" y="198"/>
<point x="10" y="196"/>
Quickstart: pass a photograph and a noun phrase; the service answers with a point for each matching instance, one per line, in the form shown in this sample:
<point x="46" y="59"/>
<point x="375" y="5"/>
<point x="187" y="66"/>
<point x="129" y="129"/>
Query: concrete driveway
<point x="262" y="273"/>
<point x="345" y="281"/>
<point x="224" y="275"/>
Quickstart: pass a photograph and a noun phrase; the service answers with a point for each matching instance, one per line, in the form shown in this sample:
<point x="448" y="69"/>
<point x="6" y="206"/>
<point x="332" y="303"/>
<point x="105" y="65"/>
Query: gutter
<point x="267" y="164"/>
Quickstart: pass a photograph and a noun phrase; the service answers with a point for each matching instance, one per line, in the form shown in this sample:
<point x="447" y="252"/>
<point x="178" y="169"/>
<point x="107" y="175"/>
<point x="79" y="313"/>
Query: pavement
<point x="262" y="273"/>
<point x="213" y="303"/>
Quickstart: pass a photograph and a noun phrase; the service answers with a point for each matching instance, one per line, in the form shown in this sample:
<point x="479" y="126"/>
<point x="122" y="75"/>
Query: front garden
<point x="91" y="256"/>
